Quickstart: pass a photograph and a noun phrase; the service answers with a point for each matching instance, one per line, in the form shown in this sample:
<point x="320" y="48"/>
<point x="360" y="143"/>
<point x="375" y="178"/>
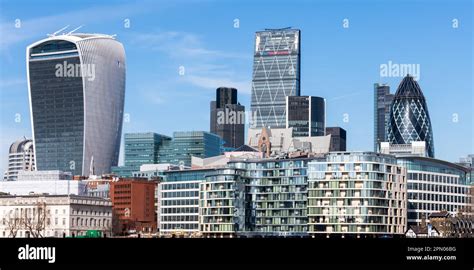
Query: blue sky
<point x="339" y="64"/>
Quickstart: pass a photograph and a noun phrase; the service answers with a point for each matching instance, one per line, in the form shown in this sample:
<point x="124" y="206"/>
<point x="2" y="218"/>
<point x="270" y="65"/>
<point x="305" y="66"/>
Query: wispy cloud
<point x="347" y="95"/>
<point x="204" y="67"/>
<point x="32" y="27"/>
<point x="212" y="82"/>
<point x="180" y="44"/>
<point x="8" y="83"/>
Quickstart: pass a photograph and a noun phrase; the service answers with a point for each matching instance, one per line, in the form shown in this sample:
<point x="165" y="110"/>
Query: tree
<point x="35" y="220"/>
<point x="13" y="223"/>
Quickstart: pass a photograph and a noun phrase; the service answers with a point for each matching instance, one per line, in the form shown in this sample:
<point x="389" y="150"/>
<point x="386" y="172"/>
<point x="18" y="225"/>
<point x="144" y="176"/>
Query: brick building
<point x="133" y="204"/>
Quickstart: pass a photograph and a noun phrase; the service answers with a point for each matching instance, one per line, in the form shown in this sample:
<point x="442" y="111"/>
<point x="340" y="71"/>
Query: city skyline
<point x="348" y="90"/>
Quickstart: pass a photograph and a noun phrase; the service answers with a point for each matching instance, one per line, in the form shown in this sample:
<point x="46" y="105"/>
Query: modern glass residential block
<point x="222" y="203"/>
<point x="357" y="193"/>
<point x="20" y="158"/>
<point x="76" y="85"/>
<point x="228" y="117"/>
<point x="179" y="150"/>
<point x="409" y="117"/>
<point x="275" y="196"/>
<point x="140" y="148"/>
<point x="382" y="103"/>
<point x="306" y="115"/>
<point x="276" y="74"/>
<point x="435" y="185"/>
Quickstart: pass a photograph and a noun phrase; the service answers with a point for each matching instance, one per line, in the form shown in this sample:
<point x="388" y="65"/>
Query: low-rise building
<point x="277" y="141"/>
<point x="458" y="226"/>
<point x="44" y="182"/>
<point x="39" y="216"/>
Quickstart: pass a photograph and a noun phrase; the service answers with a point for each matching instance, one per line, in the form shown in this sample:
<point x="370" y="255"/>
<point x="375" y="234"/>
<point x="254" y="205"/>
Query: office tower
<point x="409" y="118"/>
<point x="338" y="138"/>
<point x="228" y="117"/>
<point x="178" y="197"/>
<point x="20" y="158"/>
<point x="306" y="115"/>
<point x="76" y="85"/>
<point x="179" y="150"/>
<point x="140" y="148"/>
<point x="434" y="185"/>
<point x="382" y="101"/>
<point x="276" y="74"/>
<point x="346" y="197"/>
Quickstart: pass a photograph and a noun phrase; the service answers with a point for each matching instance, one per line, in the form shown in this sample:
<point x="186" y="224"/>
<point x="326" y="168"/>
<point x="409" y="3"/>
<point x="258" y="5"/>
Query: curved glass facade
<point x="356" y="193"/>
<point x="433" y="186"/>
<point x="409" y="118"/>
<point x="57" y="106"/>
<point x="76" y="87"/>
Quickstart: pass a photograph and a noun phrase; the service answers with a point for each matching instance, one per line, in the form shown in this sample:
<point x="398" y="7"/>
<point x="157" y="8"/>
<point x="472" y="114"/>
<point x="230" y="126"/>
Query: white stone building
<point x="53" y="215"/>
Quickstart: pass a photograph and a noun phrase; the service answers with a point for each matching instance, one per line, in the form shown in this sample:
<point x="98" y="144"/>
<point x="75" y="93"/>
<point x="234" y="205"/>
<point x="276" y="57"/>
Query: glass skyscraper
<point x="409" y="118"/>
<point x="185" y="144"/>
<point x="306" y="115"/>
<point x="228" y="117"/>
<point x="140" y="148"/>
<point x="276" y="74"/>
<point x="76" y="86"/>
<point x="382" y="102"/>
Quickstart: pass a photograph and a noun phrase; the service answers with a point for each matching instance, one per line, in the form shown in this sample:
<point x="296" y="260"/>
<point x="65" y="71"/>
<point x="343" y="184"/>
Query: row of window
<point x="179" y="202"/>
<point x="179" y="226"/>
<point x="180" y="210"/>
<point x="438" y="198"/>
<point x="180" y="194"/>
<point x="437" y="188"/>
<point x="174" y="186"/>
<point x="179" y="218"/>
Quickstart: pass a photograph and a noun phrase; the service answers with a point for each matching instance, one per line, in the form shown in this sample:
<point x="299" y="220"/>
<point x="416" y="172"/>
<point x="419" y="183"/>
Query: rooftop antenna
<point x="74" y="30"/>
<point x="54" y="34"/>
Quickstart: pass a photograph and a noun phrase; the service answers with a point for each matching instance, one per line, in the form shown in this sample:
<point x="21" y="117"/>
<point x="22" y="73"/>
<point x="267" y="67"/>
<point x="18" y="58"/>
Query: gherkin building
<point x="409" y="118"/>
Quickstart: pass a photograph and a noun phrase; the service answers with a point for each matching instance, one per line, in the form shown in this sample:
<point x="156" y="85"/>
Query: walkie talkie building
<point x="276" y="74"/>
<point x="409" y="118"/>
<point x="76" y="85"/>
